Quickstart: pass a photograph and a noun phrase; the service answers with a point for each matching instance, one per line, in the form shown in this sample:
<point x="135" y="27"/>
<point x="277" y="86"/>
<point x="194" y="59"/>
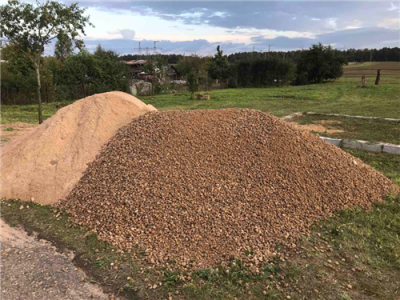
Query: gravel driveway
<point x="33" y="269"/>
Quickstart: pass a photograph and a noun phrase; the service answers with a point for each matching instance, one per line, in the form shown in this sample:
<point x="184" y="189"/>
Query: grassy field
<point x="353" y="256"/>
<point x="342" y="96"/>
<point x="388" y="69"/>
<point x="29" y="113"/>
<point x="357" y="129"/>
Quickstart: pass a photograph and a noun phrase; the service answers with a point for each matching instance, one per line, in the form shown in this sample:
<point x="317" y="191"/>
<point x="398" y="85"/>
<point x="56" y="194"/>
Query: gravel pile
<point x="212" y="184"/>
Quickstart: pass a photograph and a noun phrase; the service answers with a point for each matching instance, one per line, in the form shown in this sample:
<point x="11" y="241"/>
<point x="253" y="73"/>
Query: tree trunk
<point x="38" y="92"/>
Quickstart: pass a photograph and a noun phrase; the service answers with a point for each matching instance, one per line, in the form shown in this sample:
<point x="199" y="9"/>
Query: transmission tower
<point x="155" y="47"/>
<point x="269" y="47"/>
<point x="139" y="49"/>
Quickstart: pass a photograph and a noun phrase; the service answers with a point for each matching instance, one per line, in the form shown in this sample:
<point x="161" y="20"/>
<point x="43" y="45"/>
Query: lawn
<point x="29" y="113"/>
<point x="356" y="129"/>
<point x="343" y="96"/>
<point x="355" y="255"/>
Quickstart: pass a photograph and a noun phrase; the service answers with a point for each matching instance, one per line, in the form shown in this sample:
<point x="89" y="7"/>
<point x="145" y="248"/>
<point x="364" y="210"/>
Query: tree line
<point x="28" y="76"/>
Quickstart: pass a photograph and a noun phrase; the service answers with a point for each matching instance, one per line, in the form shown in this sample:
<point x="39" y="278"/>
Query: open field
<point x="388" y="69"/>
<point x="349" y="128"/>
<point x="353" y="256"/>
<point x="342" y="96"/>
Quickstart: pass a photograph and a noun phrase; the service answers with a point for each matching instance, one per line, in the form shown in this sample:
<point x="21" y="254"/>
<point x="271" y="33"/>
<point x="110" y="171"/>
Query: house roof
<point x="135" y="62"/>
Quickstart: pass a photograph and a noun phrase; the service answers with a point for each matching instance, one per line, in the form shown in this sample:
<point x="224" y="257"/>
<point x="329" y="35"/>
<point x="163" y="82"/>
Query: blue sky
<point x="199" y="26"/>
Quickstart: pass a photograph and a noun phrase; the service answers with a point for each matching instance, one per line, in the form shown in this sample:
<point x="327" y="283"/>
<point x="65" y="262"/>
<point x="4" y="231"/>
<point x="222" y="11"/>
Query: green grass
<point x="357" y="129"/>
<point x="361" y="65"/>
<point x="344" y="96"/>
<point x="28" y="113"/>
<point x="387" y="164"/>
<point x="365" y="244"/>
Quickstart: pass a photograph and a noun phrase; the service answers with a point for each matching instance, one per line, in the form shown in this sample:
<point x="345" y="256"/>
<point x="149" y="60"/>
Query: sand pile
<point x="211" y="184"/>
<point x="47" y="162"/>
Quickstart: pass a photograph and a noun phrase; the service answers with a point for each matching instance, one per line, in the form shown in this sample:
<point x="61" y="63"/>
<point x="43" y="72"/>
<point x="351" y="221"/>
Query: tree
<point x="63" y="47"/>
<point x="319" y="63"/>
<point x="31" y="28"/>
<point x="193" y="84"/>
<point x="218" y="67"/>
<point x="157" y="67"/>
<point x="194" y="68"/>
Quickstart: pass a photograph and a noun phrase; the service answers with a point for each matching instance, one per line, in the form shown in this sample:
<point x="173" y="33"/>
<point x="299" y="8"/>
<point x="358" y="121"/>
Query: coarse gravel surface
<point x="202" y="187"/>
<point x="33" y="269"/>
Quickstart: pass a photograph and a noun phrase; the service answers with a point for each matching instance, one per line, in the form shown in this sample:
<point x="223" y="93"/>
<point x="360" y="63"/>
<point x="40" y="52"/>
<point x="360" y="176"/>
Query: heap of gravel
<point x="211" y="184"/>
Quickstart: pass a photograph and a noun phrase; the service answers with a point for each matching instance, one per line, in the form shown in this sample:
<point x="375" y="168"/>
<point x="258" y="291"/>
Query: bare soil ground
<point x="321" y="127"/>
<point x="388" y="69"/>
<point x="33" y="269"/>
<point x="14" y="131"/>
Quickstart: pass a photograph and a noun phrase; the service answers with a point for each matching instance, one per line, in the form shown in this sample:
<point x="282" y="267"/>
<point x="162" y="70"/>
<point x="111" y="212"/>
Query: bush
<point x="265" y="72"/>
<point x="319" y="63"/>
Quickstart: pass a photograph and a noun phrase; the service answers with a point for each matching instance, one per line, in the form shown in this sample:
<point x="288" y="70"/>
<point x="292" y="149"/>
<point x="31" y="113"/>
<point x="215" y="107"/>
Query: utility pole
<point x="269" y="47"/>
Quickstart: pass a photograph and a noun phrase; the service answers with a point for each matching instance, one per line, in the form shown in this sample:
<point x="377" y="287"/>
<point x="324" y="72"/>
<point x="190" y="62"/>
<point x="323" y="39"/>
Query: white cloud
<point x="332" y="22"/>
<point x="125" y="33"/>
<point x="393" y="7"/>
<point x="390" y="23"/>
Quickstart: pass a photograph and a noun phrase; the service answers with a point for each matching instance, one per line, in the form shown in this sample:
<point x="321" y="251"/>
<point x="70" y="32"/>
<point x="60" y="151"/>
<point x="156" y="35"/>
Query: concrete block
<point x="392" y="149"/>
<point x="335" y="142"/>
<point x="298" y="114"/>
<point x="393" y="120"/>
<point x="363" y="145"/>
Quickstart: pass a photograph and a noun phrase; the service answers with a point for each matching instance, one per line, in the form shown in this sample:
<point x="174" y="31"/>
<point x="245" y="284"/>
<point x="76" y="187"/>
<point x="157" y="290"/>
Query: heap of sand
<point x="45" y="164"/>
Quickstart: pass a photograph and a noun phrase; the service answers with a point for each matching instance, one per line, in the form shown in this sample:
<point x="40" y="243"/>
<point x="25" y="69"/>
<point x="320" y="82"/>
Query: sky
<point x="197" y="27"/>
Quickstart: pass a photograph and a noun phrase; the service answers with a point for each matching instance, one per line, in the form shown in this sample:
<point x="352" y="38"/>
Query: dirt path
<point x="33" y="269"/>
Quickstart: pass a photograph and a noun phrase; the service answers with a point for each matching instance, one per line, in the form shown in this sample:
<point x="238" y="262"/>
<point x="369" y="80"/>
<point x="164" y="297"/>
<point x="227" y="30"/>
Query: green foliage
<point x="219" y="67"/>
<point x="318" y="64"/>
<point x="63" y="46"/>
<point x="32" y="27"/>
<point x="193" y="84"/>
<point x="189" y="64"/>
<point x="265" y="72"/>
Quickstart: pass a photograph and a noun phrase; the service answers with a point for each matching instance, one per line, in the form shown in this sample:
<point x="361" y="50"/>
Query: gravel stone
<point x="212" y="184"/>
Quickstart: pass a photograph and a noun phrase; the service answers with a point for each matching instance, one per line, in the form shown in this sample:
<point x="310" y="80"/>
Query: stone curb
<point x="363" y="145"/>
<point x="357" y="144"/>
<point x="310" y="113"/>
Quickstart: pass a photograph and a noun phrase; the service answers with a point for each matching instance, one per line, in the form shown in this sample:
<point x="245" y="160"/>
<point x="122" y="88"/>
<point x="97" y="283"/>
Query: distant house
<point x="172" y="72"/>
<point x="136" y="67"/>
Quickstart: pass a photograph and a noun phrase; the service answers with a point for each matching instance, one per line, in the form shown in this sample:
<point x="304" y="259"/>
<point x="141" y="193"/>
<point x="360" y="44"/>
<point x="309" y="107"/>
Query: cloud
<point x="352" y="38"/>
<point x="374" y="37"/>
<point x="312" y="16"/>
<point x="126" y="33"/>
